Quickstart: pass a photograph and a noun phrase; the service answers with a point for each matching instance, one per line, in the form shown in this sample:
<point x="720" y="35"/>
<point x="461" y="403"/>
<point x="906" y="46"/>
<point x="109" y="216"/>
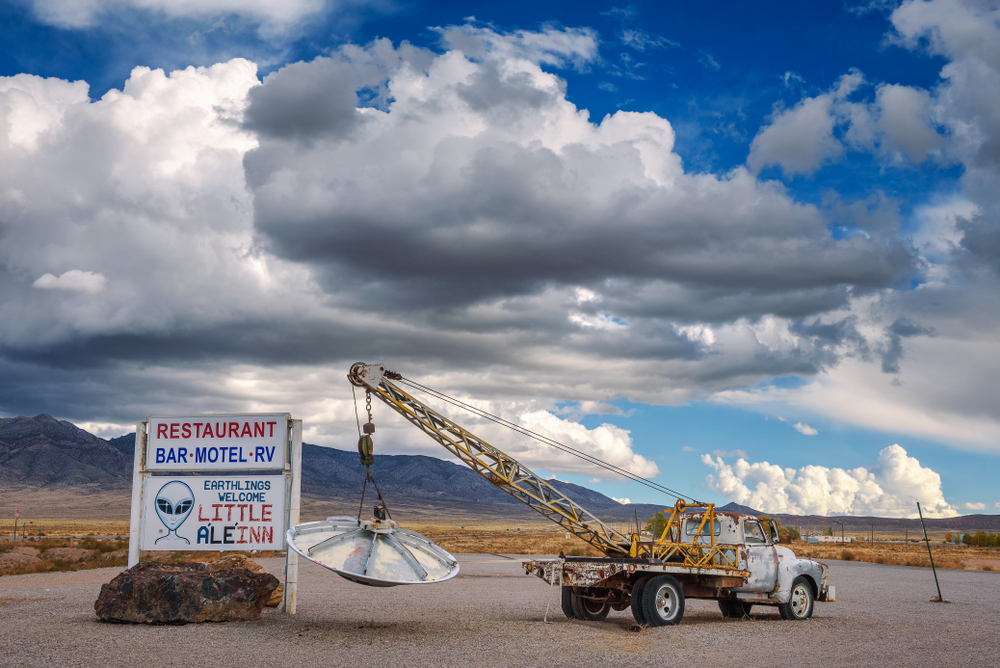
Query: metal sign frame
<point x="291" y="471"/>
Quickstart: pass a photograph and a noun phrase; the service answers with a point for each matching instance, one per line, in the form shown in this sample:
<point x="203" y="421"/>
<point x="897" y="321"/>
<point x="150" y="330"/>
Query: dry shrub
<point x="49" y="565"/>
<point x="847" y="555"/>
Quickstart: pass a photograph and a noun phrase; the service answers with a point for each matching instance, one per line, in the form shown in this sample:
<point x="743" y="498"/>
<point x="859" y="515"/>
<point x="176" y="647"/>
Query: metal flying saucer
<point x="372" y="552"/>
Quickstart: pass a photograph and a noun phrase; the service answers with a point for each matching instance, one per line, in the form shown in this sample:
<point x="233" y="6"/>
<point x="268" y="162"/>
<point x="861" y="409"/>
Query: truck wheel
<point x="663" y="601"/>
<point x="800" y="605"/>
<point x="567" y="602"/>
<point x="734" y="609"/>
<point x="636" y="596"/>
<point x="590" y="610"/>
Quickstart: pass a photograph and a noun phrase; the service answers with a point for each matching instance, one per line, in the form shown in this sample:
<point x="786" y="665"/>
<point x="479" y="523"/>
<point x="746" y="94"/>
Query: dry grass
<point x="64" y="527"/>
<point x="904" y="554"/>
<point x="490" y="538"/>
<point x="499" y="539"/>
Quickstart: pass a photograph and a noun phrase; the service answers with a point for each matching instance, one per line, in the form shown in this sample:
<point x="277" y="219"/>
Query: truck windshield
<point x="692" y="528"/>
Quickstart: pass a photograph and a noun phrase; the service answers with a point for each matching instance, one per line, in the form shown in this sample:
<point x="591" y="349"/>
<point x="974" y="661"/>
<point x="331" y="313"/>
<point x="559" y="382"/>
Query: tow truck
<point x="700" y="553"/>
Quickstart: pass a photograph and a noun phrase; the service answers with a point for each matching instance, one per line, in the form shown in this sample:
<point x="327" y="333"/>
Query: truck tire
<point x="663" y="601"/>
<point x="636" y="596"/>
<point x="590" y="610"/>
<point x="734" y="609"/>
<point x="800" y="604"/>
<point x="567" y="602"/>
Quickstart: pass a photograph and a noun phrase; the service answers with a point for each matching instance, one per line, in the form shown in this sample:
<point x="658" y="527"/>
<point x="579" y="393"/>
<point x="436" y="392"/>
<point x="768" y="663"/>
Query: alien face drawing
<point x="174" y="502"/>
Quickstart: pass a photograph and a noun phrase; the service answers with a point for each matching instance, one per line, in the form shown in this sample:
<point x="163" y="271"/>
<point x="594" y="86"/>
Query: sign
<point x="214" y="513"/>
<point x="17" y="514"/>
<point x="245" y="510"/>
<point x="217" y="443"/>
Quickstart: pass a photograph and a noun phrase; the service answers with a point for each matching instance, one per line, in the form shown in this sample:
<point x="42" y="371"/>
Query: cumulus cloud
<point x="973" y="506"/>
<point x="624" y="501"/>
<point x="493" y="205"/>
<point x="898" y="124"/>
<point x="803" y="428"/>
<point x="688" y="448"/>
<point x="889" y="488"/>
<point x="73" y="280"/>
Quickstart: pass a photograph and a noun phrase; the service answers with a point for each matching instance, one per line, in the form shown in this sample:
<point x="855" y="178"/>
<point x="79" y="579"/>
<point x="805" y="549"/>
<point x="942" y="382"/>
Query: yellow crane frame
<point x="520" y="482"/>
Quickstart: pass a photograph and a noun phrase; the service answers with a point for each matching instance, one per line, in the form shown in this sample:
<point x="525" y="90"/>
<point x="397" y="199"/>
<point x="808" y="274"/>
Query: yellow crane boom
<point x="499" y="468"/>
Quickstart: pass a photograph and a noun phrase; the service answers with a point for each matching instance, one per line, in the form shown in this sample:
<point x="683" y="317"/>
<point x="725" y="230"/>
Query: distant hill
<point x="49" y="453"/>
<point x="44" y="458"/>
<point x="733" y="507"/>
<point x="43" y="453"/>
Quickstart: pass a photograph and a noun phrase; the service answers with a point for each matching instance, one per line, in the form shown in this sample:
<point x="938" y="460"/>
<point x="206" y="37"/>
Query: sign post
<point x="217" y="482"/>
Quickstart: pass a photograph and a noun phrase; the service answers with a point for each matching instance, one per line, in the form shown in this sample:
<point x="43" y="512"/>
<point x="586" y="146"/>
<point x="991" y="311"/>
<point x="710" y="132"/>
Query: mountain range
<point x="59" y="470"/>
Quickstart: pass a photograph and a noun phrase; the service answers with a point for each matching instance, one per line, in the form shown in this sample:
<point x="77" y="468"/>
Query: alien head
<point x="174" y="502"/>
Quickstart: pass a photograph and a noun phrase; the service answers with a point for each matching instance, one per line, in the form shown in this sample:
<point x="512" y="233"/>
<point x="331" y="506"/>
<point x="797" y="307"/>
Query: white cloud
<point x="889" y="488"/>
<point x="640" y="40"/>
<point x="688" y="448"/>
<point x="607" y="442"/>
<point x="899" y="125"/>
<point x="803" y="428"/>
<point x="73" y="280"/>
<point x="623" y="501"/>
<point x="997" y="505"/>
<point x="708" y="62"/>
<point x="85" y="13"/>
<point x="734" y="453"/>
<point x="801" y="139"/>
<point x="973" y="506"/>
<point x="576" y="47"/>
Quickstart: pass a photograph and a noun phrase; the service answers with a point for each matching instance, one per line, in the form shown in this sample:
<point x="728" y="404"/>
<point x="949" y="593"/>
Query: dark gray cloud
<point x="304" y="100"/>
<point x="902" y="328"/>
<point x="480" y="219"/>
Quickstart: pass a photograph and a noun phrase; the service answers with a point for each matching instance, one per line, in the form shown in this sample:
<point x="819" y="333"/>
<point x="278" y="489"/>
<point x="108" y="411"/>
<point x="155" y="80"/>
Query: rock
<point x="242" y="561"/>
<point x="154" y="593"/>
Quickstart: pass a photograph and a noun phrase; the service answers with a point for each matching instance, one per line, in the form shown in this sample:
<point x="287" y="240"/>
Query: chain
<point x="368" y="404"/>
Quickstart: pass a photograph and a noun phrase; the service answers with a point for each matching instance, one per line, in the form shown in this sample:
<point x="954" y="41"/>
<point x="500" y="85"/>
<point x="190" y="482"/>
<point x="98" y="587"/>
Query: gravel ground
<point x="492" y="614"/>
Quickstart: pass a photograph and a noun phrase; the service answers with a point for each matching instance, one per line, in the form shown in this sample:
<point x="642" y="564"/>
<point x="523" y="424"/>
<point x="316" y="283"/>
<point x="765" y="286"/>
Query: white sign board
<point x="213" y="513"/>
<point x="217" y="443"/>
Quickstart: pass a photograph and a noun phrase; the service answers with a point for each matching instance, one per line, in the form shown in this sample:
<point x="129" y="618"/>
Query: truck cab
<point x="773" y="574"/>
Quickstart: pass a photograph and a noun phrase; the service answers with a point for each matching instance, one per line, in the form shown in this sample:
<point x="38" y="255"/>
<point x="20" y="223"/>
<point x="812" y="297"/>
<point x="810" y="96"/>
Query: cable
<point x="544" y="439"/>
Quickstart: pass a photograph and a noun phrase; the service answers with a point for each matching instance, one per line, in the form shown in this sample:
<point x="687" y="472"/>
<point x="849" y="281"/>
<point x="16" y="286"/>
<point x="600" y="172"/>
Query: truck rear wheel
<point x="734" y="609"/>
<point x="590" y="610"/>
<point x="567" y="603"/>
<point x="800" y="605"/>
<point x="636" y="596"/>
<point x="663" y="601"/>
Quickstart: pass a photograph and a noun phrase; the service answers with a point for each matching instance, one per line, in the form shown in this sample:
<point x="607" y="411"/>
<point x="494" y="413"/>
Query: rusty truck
<point x="699" y="552"/>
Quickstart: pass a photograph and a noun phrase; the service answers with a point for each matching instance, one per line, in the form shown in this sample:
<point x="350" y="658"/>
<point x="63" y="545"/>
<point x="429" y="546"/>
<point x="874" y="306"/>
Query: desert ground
<point x="493" y="614"/>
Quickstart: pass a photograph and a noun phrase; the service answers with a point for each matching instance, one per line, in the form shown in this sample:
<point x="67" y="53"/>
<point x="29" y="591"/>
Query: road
<point x="493" y="615"/>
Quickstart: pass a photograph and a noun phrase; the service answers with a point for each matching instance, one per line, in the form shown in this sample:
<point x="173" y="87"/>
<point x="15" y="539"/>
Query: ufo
<point x="372" y="552"/>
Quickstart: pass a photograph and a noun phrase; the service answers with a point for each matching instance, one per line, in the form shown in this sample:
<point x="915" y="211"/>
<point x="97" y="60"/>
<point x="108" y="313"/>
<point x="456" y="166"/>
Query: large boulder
<point x="154" y="593"/>
<point x="243" y="561"/>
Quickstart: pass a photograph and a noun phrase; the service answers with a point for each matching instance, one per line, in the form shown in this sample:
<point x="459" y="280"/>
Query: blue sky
<point x="751" y="252"/>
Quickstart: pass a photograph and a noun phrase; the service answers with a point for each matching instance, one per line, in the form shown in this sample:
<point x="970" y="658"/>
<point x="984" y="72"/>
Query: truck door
<point x="761" y="558"/>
